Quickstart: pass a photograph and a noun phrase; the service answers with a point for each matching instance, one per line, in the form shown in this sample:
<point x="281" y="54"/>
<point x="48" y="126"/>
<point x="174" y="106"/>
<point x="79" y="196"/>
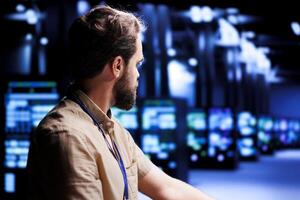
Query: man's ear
<point x="117" y="66"/>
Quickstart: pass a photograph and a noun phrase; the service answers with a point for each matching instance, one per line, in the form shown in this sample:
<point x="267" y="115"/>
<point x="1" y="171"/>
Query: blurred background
<point x="219" y="96"/>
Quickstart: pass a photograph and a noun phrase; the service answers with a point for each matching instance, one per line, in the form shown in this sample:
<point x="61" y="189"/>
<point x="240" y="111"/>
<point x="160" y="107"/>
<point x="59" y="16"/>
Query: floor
<point x="271" y="178"/>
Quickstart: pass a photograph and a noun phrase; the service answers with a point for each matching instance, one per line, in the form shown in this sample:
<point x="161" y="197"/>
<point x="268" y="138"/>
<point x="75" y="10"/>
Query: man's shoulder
<point x="121" y="131"/>
<point x="66" y="115"/>
<point x="119" y="127"/>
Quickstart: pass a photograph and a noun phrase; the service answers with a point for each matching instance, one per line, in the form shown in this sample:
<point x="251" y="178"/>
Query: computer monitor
<point x="26" y="103"/>
<point x="221" y="137"/>
<point x="196" y="119"/>
<point x="163" y="123"/>
<point x="286" y="131"/>
<point x="294" y="125"/>
<point x="265" y="127"/>
<point x="280" y="125"/>
<point x="158" y="125"/>
<point x="246" y="123"/>
<point x="128" y="119"/>
<point x="16" y="153"/>
<point x="159" y="117"/>
<point x="293" y="136"/>
<point x="247" y="134"/>
<point x="221" y="119"/>
<point x="197" y="136"/>
<point x="296" y="130"/>
<point x="265" y="123"/>
<point x="280" y="130"/>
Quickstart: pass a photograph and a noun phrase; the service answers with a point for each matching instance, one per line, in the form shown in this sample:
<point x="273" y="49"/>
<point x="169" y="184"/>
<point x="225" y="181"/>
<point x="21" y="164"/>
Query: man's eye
<point x="139" y="65"/>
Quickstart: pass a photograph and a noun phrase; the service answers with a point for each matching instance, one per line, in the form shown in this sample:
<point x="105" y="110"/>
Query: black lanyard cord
<point x="115" y="153"/>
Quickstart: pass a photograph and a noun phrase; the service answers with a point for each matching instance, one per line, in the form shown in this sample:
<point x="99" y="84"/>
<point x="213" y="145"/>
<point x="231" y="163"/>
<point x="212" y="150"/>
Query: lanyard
<point x="115" y="153"/>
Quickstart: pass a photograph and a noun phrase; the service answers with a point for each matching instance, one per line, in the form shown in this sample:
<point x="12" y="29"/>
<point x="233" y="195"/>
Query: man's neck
<point x="101" y="96"/>
<point x="100" y="89"/>
<point x="102" y="100"/>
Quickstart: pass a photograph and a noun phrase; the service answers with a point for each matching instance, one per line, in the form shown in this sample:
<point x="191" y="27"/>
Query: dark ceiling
<point x="271" y="22"/>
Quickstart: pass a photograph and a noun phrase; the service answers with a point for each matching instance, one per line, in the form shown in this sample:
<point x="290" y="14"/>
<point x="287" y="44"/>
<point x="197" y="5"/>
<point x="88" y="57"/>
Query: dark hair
<point x="99" y="36"/>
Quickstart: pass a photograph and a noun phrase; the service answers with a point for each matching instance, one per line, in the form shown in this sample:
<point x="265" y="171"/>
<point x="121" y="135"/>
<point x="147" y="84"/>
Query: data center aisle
<point x="271" y="178"/>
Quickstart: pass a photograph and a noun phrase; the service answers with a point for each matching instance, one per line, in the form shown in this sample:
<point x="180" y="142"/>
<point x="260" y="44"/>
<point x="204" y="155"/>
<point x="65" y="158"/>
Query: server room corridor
<point x="215" y="104"/>
<point x="272" y="178"/>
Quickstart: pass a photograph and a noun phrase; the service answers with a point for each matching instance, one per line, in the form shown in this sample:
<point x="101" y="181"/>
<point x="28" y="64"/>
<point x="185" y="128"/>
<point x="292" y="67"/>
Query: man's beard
<point x="124" y="96"/>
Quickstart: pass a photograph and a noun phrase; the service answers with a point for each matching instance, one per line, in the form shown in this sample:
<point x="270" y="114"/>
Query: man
<point x="79" y="151"/>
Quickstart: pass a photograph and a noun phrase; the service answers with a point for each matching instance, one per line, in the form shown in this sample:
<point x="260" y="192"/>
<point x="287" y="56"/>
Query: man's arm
<point x="159" y="186"/>
<point x="61" y="167"/>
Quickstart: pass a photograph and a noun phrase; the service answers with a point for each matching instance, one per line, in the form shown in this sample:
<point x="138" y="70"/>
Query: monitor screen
<point x="293" y="135"/>
<point x="154" y="144"/>
<point x="286" y="131"/>
<point x="280" y="128"/>
<point x="294" y="125"/>
<point x="159" y="115"/>
<point x="265" y="123"/>
<point x="280" y="125"/>
<point x="196" y="136"/>
<point x="128" y="119"/>
<point x="16" y="153"/>
<point x="246" y="123"/>
<point x="220" y="119"/>
<point x="196" y="120"/>
<point x="220" y="136"/>
<point x="265" y="133"/>
<point x="158" y="138"/>
<point x="27" y="103"/>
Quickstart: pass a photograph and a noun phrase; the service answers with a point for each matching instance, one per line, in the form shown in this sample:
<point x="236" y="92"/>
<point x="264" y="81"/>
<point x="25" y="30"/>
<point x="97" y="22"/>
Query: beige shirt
<point x="69" y="158"/>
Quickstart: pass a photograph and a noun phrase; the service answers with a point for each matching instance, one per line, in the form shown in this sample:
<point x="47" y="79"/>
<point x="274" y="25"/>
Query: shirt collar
<point x="102" y="118"/>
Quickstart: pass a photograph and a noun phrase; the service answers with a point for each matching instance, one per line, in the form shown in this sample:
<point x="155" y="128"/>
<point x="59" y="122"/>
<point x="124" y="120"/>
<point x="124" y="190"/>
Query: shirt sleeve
<point x="144" y="164"/>
<point x="60" y="167"/>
